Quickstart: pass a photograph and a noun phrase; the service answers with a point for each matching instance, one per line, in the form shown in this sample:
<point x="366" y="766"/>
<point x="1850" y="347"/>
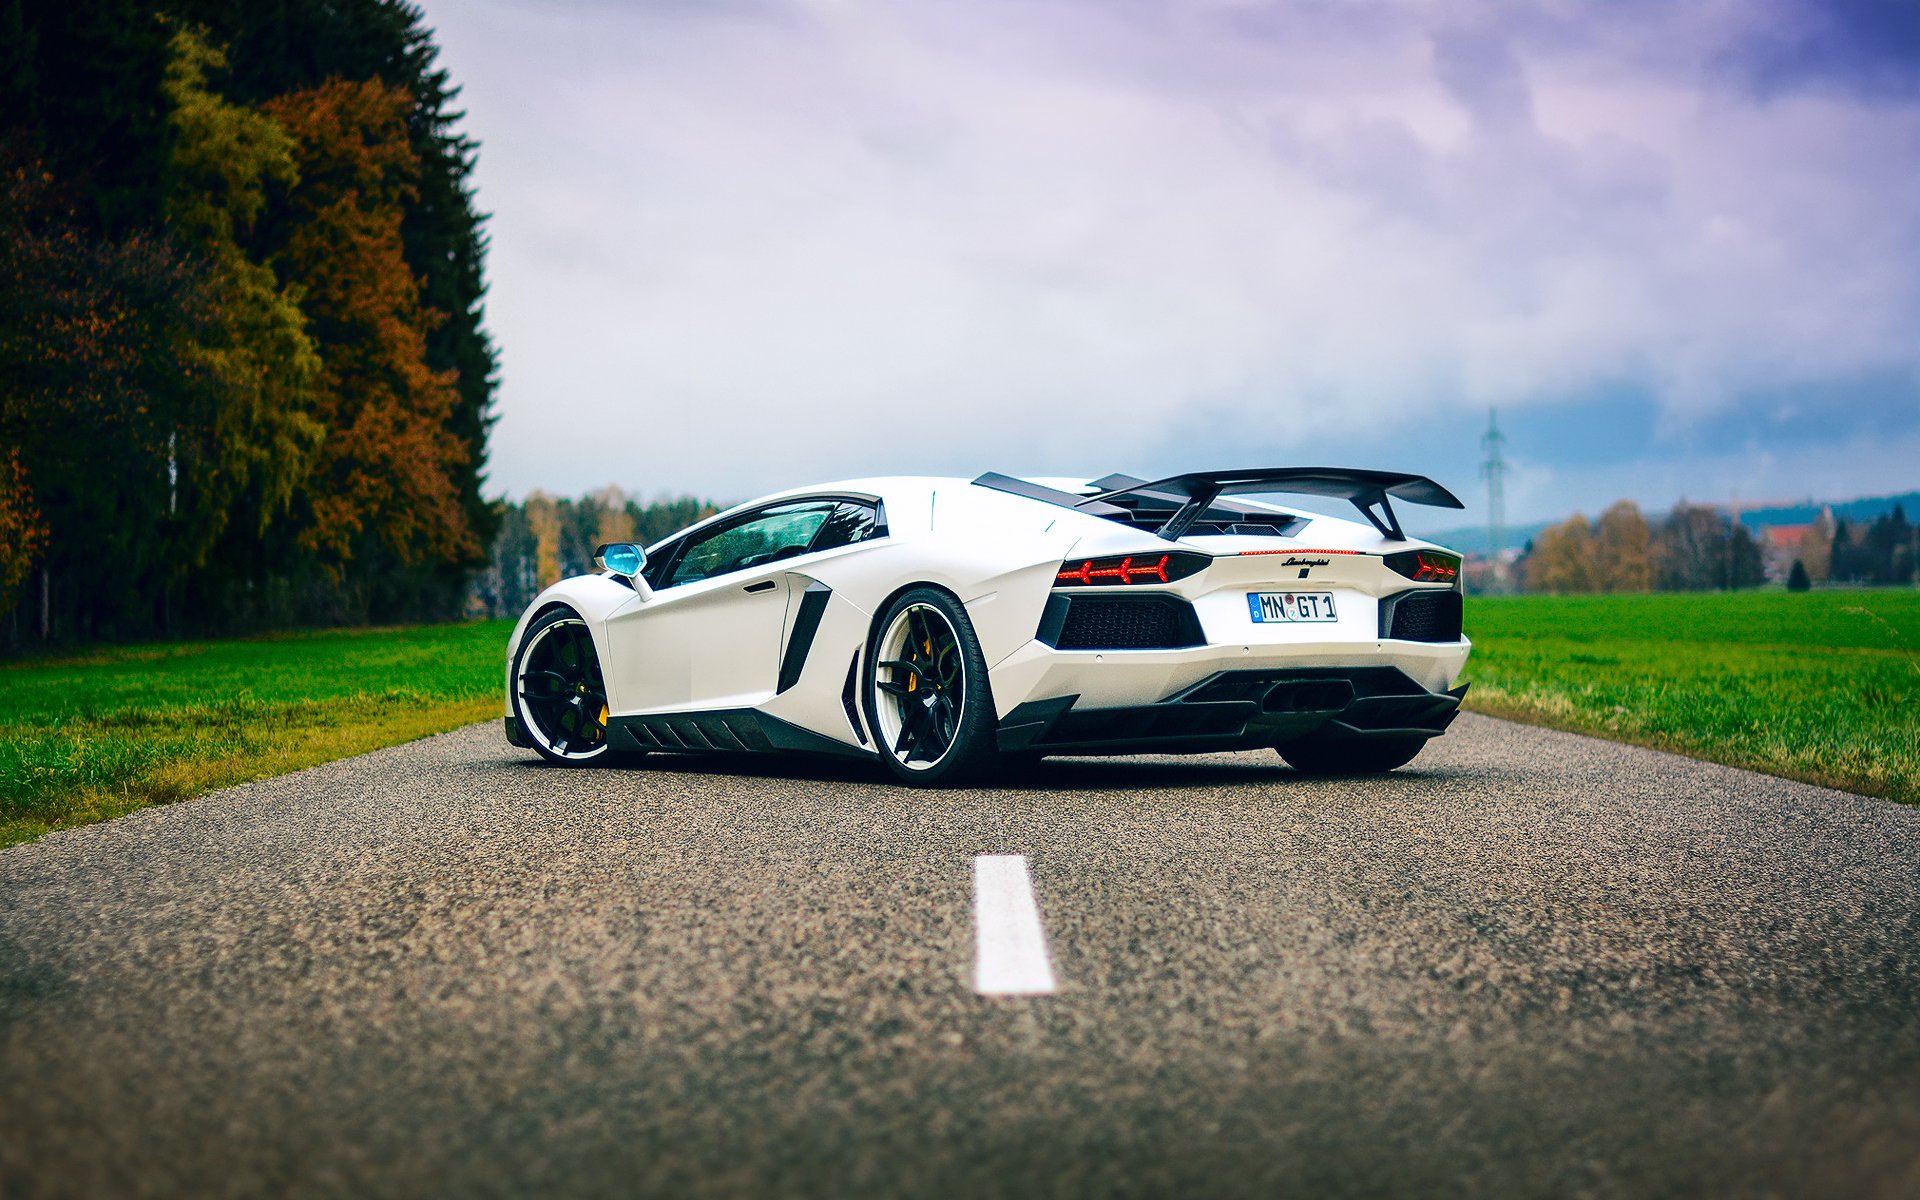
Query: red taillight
<point x="1131" y="569"/>
<point x="1426" y="566"/>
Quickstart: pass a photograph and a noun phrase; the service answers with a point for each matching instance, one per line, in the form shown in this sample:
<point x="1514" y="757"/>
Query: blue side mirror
<point x="622" y="558"/>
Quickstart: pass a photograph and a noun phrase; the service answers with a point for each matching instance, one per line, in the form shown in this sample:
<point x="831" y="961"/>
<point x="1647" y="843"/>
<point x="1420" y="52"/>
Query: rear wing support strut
<point x="1372" y="505"/>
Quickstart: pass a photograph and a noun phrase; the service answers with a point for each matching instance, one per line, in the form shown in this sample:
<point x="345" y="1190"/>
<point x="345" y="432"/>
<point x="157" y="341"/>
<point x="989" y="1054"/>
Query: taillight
<point x="1129" y="570"/>
<point x="1426" y="566"/>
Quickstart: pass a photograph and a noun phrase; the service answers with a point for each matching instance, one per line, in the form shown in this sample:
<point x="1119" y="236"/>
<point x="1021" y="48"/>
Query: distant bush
<point x="1695" y="548"/>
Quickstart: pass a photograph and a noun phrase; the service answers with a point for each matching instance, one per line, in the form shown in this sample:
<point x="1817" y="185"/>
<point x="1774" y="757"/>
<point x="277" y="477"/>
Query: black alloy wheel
<point x="928" y="699"/>
<point x="559" y="692"/>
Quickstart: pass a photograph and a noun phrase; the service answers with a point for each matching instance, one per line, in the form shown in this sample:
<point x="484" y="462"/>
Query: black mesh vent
<point x="1426" y="617"/>
<point x="1129" y="623"/>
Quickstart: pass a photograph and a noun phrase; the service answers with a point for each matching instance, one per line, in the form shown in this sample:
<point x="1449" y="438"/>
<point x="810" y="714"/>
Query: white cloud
<point x="739" y="247"/>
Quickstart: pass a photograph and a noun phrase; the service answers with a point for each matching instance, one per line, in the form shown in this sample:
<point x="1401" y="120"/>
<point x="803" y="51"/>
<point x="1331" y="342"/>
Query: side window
<point x="776" y="533"/>
<point x="852" y="521"/>
<point x="655" y="572"/>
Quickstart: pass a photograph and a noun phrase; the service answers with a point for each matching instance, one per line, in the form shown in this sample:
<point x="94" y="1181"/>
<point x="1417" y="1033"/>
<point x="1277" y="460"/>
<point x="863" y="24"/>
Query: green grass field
<point x="1820" y="686"/>
<point x="85" y="739"/>
<point x="1823" y="686"/>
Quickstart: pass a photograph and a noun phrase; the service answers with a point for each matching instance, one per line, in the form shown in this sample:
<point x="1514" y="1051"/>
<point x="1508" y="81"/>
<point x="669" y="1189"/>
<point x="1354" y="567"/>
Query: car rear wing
<point x="1189" y="496"/>
<point x="1365" y="490"/>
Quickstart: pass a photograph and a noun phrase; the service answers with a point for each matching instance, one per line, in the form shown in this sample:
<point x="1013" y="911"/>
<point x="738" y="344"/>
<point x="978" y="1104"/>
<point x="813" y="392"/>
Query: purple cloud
<point x="1065" y="233"/>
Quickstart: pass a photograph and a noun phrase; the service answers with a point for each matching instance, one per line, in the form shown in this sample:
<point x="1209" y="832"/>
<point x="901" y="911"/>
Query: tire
<point x="924" y="646"/>
<point x="1355" y="756"/>
<point x="558" y="691"/>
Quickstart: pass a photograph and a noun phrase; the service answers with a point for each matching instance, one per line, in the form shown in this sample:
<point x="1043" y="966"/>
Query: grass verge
<point x="90" y="738"/>
<point x="1817" y="686"/>
<point x="1821" y="686"/>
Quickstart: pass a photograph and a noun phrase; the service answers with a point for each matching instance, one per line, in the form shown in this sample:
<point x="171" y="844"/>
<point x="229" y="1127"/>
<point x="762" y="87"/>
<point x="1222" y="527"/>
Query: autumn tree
<point x="381" y="502"/>
<point x="1623" y="550"/>
<point x="613" y="519"/>
<point x="1816" y="547"/>
<point x="280" y="48"/>
<point x="21" y="532"/>
<point x="543" y="522"/>
<point x="250" y="436"/>
<point x="1562" y="561"/>
<point x="1691" y="551"/>
<point x="1699" y="549"/>
<point x="188" y="321"/>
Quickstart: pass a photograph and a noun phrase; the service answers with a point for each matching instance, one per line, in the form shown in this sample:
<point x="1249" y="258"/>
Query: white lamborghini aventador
<point x="940" y="625"/>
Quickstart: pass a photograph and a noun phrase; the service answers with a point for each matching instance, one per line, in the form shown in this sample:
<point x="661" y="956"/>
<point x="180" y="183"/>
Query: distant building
<point x="1487" y="575"/>
<point x="1779" y="546"/>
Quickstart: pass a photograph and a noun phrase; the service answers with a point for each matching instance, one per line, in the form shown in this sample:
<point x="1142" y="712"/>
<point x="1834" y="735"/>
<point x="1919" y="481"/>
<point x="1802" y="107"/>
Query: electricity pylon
<point x="1494" y="471"/>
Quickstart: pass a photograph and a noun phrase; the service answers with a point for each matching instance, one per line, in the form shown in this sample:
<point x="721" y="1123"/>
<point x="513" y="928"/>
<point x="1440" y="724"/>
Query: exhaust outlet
<point x="1308" y="696"/>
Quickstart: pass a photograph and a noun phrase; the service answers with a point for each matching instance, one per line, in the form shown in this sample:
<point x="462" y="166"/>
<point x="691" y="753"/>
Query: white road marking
<point x="1009" y="943"/>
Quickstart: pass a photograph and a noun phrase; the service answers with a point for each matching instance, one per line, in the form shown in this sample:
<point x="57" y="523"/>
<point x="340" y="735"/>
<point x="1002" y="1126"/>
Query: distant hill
<point x="1852" y="511"/>
<point x="1472" y="539"/>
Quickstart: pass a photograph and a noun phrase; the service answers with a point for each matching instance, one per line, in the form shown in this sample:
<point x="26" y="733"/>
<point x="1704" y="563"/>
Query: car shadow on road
<point x="1049" y="775"/>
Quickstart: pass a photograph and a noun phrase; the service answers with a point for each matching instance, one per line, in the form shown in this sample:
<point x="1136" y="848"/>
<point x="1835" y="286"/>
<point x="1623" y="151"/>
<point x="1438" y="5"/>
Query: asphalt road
<point x="1530" y="964"/>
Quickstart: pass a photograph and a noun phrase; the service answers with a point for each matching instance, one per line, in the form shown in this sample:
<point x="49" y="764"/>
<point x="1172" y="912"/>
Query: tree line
<point x="244" y="377"/>
<point x="1696" y="547"/>
<point x="544" y="539"/>
<point x="1883" y="551"/>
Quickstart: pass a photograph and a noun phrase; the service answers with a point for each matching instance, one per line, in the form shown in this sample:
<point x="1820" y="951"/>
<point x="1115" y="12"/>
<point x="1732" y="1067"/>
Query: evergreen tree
<point x="1746" y="566"/>
<point x="1889" y="548"/>
<point x="91" y="72"/>
<point x="1842" y="561"/>
<point x="92" y="381"/>
<point x="1797" y="580"/>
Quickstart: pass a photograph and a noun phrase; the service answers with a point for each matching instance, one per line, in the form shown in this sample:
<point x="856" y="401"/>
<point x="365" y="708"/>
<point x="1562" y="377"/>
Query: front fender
<point x="594" y="597"/>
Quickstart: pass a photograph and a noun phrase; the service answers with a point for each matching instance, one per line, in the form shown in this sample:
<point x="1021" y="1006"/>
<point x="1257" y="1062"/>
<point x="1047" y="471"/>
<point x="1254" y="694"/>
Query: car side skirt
<point x="726" y="730"/>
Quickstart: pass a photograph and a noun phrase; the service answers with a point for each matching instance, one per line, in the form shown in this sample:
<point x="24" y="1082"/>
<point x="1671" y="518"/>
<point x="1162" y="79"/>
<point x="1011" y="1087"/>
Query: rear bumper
<point x="1124" y="678"/>
<point x="1240" y="710"/>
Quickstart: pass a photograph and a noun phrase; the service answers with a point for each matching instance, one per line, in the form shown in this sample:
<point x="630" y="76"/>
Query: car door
<point x="710" y="637"/>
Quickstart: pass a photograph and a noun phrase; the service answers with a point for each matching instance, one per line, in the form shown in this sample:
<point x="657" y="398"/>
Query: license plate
<point x="1290" y="606"/>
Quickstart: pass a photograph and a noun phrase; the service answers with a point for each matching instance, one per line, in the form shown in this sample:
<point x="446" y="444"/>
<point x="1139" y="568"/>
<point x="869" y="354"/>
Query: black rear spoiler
<point x="1193" y="492"/>
<point x="1366" y="490"/>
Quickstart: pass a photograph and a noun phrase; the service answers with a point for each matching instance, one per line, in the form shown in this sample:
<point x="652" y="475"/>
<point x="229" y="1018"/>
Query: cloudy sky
<point x="739" y="245"/>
